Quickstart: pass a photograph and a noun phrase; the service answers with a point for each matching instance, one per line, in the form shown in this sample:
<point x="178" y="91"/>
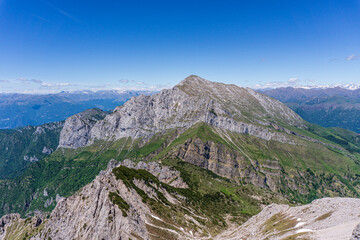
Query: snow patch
<point x="299" y="224"/>
<point x="157" y="218"/>
<point x="303" y="230"/>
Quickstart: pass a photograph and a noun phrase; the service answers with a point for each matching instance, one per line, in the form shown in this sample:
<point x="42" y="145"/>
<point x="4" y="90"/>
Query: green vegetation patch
<point x="324" y="216"/>
<point x="122" y="204"/>
<point x="156" y="233"/>
<point x="278" y="223"/>
<point x="127" y="175"/>
<point x="297" y="236"/>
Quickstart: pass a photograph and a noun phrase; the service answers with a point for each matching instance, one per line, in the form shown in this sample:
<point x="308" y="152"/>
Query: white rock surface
<point x="323" y="219"/>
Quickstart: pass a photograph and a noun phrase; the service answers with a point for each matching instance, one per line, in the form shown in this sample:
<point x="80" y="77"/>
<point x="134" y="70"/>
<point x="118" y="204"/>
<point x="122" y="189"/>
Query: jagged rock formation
<point x="93" y="214"/>
<point x="90" y="214"/>
<point x="194" y="100"/>
<point x="323" y="219"/>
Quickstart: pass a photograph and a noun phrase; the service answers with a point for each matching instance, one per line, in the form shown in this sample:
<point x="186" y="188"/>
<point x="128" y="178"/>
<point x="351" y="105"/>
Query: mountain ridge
<point x="18" y="110"/>
<point x="193" y="100"/>
<point x="334" y="107"/>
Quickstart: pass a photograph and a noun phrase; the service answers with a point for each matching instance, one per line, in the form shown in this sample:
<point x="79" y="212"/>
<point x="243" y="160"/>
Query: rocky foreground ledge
<point x="323" y="219"/>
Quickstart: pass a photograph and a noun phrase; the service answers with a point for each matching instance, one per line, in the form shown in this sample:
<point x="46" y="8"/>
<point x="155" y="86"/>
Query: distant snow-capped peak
<point x="350" y="86"/>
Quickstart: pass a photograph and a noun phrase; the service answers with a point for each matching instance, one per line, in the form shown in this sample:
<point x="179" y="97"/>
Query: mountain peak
<point x="194" y="80"/>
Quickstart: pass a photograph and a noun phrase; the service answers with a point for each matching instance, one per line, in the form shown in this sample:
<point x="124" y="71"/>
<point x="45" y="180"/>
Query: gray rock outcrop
<point x="31" y="158"/>
<point x="47" y="150"/>
<point x="76" y="130"/>
<point x="6" y="221"/>
<point x="356" y="233"/>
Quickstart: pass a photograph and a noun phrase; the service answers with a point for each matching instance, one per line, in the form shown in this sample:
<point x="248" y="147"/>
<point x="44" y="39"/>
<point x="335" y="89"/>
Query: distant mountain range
<point x="350" y="86"/>
<point x="328" y="107"/>
<point x="18" y="110"/>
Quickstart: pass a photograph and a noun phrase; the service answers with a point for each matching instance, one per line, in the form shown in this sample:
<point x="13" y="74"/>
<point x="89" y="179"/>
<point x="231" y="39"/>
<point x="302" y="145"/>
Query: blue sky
<point x="54" y="45"/>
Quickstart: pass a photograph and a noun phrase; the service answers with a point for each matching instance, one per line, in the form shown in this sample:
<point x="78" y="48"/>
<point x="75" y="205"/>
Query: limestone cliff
<point x="194" y="100"/>
<point x="76" y="130"/>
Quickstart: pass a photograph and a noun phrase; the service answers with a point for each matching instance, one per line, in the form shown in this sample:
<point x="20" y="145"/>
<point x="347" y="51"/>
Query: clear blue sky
<point x="53" y="45"/>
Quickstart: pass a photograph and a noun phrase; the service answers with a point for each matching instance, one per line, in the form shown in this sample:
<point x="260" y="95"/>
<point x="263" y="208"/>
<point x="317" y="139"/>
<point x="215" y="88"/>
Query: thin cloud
<point x="271" y="85"/>
<point x="4" y="81"/>
<point x="42" y="83"/>
<point x="152" y="88"/>
<point x="291" y="82"/>
<point x="124" y="80"/>
<point x="55" y="85"/>
<point x="29" y="81"/>
<point x="139" y="83"/>
<point x="41" y="18"/>
<point x="333" y="60"/>
<point x="62" y="12"/>
<point x="352" y="57"/>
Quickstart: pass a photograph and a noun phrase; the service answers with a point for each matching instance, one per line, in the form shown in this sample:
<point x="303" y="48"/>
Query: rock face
<point x="91" y="215"/>
<point x="323" y="219"/>
<point x="221" y="160"/>
<point x="6" y="221"/>
<point x="212" y="156"/>
<point x="356" y="233"/>
<point x="76" y="131"/>
<point x="194" y="100"/>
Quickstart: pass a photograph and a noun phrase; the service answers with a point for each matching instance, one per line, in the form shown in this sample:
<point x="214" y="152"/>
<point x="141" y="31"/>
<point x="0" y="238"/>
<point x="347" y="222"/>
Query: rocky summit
<point x="202" y="160"/>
